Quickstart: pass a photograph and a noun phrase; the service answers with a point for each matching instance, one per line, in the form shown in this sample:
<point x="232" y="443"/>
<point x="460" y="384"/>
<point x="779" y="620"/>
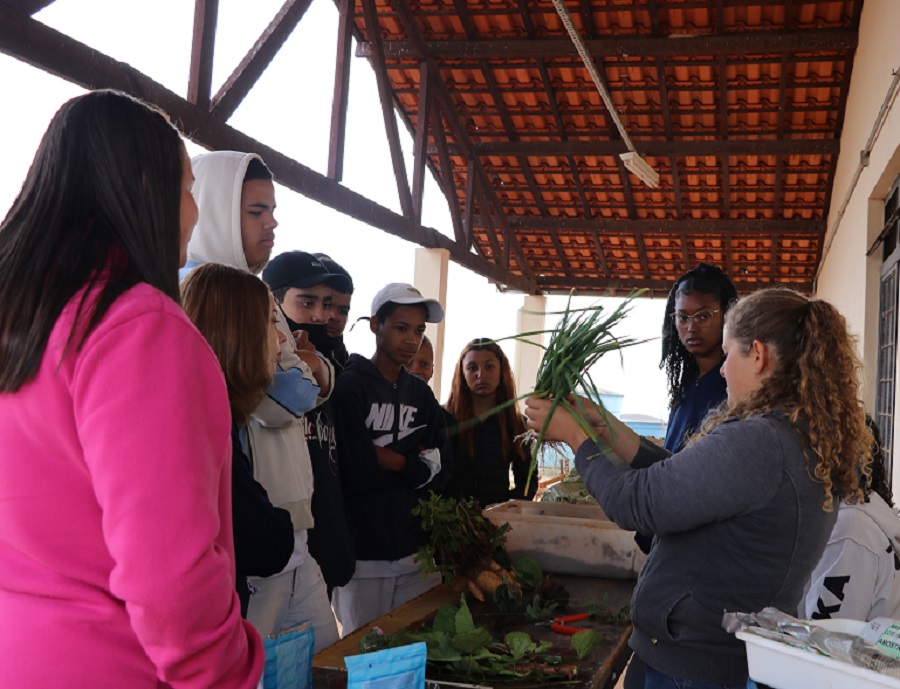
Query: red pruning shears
<point x="558" y="624"/>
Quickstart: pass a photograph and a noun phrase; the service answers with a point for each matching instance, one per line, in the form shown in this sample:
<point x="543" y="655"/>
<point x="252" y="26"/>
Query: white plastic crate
<point x="568" y="539"/>
<point x="784" y="667"/>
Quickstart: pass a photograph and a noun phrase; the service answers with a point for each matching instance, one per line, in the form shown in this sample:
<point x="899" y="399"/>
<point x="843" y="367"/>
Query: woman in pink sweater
<point x="116" y="555"/>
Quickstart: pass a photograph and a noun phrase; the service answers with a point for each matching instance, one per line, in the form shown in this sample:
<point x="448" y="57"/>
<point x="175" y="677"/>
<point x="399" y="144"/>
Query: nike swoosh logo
<point x="385" y="440"/>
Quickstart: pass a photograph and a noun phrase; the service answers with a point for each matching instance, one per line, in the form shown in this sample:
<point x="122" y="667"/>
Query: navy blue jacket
<point x="405" y="417"/>
<point x="697" y="398"/>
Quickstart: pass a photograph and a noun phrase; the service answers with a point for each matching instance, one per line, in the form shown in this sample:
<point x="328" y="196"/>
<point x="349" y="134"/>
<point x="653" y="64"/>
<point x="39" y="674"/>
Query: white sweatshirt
<point x="858" y="576"/>
<point x="276" y="437"/>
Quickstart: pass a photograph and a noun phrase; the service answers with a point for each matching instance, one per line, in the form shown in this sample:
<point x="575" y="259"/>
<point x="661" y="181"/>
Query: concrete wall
<point x="848" y="278"/>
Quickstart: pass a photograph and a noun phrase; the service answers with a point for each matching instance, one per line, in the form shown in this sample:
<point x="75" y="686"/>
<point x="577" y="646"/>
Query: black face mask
<point x="331" y="347"/>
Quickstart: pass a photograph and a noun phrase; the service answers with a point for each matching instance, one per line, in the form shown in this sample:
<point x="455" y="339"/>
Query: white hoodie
<point x="275" y="432"/>
<point x="858" y="576"/>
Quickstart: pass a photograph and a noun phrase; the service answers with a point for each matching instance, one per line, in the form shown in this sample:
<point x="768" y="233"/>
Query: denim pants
<point x="654" y="679"/>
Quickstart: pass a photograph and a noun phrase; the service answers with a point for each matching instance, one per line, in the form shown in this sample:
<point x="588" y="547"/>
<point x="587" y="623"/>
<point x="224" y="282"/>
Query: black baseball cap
<point x="300" y="269"/>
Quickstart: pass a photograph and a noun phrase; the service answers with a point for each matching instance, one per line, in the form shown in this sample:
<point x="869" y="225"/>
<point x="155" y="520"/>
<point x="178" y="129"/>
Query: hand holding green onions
<point x="576" y="344"/>
<point x="608" y="431"/>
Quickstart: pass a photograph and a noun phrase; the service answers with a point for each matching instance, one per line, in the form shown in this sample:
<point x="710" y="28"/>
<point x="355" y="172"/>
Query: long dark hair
<point x="230" y="307"/>
<point x="103" y="195"/>
<point x="459" y="403"/>
<point x="681" y="367"/>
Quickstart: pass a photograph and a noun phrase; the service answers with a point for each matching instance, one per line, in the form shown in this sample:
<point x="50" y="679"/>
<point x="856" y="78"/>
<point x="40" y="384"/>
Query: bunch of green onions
<point x="579" y="340"/>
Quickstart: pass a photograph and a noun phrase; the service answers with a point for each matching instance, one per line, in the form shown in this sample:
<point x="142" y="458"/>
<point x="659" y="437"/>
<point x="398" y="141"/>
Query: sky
<point x="290" y="109"/>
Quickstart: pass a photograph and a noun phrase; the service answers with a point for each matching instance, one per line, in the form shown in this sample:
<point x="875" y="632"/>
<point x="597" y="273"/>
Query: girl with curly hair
<point x="743" y="513"/>
<point x="485" y="450"/>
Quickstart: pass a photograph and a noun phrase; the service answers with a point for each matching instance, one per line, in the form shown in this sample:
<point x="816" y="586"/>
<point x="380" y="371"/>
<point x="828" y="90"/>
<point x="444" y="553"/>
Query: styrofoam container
<point x="784" y="667"/>
<point x="568" y="539"/>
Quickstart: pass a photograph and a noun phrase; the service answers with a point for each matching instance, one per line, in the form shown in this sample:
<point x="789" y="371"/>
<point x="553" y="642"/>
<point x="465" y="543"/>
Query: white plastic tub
<point x="568" y="539"/>
<point x="784" y="667"/>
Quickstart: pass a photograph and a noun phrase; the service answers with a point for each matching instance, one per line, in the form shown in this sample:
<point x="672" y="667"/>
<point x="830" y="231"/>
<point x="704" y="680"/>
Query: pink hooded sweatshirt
<point x="116" y="554"/>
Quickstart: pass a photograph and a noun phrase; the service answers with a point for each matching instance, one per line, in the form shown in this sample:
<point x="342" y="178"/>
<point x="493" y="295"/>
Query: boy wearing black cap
<point x="338" y="314"/>
<point x="393" y="450"/>
<point x="302" y="287"/>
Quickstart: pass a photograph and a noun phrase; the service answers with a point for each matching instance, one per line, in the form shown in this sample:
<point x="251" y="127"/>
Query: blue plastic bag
<point x="289" y="658"/>
<point x="393" y="668"/>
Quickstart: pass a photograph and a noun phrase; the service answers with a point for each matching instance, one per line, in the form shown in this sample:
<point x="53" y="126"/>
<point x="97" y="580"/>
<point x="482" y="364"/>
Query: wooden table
<point x="596" y="671"/>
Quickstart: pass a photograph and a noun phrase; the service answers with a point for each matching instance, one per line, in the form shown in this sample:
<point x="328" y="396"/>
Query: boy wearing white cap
<point x="392" y="451"/>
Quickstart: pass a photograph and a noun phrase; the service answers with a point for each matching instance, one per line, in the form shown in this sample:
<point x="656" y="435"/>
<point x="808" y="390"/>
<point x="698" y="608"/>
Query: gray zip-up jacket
<point x="740" y="526"/>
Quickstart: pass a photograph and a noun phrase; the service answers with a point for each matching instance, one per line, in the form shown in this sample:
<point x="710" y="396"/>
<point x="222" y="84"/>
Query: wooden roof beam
<point x="203" y="45"/>
<point x="656" y="148"/>
<point x="410" y="25"/>
<point x="45" y="48"/>
<point x="674" y="227"/>
<point x="448" y="183"/>
<point x="341" y="95"/>
<point x="420" y="142"/>
<point x="601" y="255"/>
<point x="611" y="287"/>
<point x="387" y="108"/>
<point x="27" y="6"/>
<point x="248" y="72"/>
<point x="754" y="42"/>
<point x="561" y="127"/>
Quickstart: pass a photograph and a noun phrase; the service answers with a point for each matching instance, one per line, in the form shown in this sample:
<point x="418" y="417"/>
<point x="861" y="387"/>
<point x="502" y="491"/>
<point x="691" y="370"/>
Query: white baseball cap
<point x="402" y="293"/>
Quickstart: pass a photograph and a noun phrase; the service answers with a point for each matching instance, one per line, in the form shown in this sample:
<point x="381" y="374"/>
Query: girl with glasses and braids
<point x="743" y="513"/>
<point x="692" y="348"/>
<point x="692" y="356"/>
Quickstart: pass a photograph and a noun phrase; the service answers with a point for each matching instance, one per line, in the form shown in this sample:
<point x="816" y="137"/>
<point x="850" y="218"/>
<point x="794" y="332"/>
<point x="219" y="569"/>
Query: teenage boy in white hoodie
<point x="236" y="197"/>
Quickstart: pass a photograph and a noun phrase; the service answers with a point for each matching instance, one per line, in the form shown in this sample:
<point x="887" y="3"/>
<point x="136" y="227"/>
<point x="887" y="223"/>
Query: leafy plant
<point x="538" y="610"/>
<point x="586" y="641"/>
<point x="464" y="546"/>
<point x="578" y="342"/>
<point x="461" y="649"/>
<point x="603" y="611"/>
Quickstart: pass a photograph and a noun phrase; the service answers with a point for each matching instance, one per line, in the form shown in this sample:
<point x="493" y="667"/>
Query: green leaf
<point x="445" y="621"/>
<point x="585" y="642"/>
<point x="444" y="654"/>
<point x="468" y="666"/>
<point x="519" y="643"/>
<point x="463" y="618"/>
<point x="471" y="641"/>
<point x="528" y="572"/>
<point x="543" y="647"/>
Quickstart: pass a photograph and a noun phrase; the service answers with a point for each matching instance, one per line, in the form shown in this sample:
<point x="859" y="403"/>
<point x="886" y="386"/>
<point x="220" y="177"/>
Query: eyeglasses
<point x="701" y="319"/>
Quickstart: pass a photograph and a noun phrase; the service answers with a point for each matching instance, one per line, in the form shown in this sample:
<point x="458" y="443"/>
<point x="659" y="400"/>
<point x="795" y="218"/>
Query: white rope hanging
<point x="632" y="160"/>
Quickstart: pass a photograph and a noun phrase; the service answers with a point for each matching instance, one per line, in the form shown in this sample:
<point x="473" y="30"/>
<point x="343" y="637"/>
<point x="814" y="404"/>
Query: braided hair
<point x="681" y="367"/>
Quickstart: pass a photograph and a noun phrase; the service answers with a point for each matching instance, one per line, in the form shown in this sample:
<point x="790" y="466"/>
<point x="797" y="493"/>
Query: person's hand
<point x="302" y="343"/>
<point x="562" y="426"/>
<point x="389" y="460"/>
<point x="306" y="351"/>
<point x="593" y="412"/>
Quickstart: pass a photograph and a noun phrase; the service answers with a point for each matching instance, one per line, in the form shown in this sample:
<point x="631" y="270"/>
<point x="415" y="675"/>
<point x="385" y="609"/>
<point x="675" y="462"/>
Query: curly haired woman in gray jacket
<point x="743" y="513"/>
